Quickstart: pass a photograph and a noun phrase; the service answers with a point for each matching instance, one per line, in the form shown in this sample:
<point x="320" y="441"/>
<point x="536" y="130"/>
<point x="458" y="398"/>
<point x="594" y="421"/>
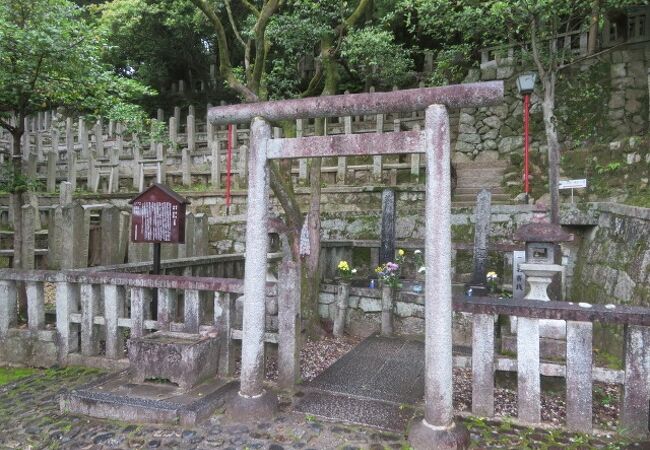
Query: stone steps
<point x="496" y="198"/>
<point x="472" y="176"/>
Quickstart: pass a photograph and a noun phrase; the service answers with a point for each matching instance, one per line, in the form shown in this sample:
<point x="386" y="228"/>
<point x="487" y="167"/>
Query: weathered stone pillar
<point x="190" y="131"/>
<point x="483" y="365"/>
<point x="65" y="193"/>
<point x="8" y="308"/>
<point x="67" y="301"/>
<point x="415" y="162"/>
<point x="342" y="162"/>
<point x="72" y="169"/>
<point x="215" y="172"/>
<point x="173" y="131"/>
<point x="242" y="169"/>
<point x="387" y="301"/>
<point x="579" y="386"/>
<point x="438" y="430"/>
<point x="636" y="391"/>
<point x="481" y="232"/>
<point x="110" y="236"/>
<point x="377" y="161"/>
<point x="253" y="400"/>
<point x="83" y="138"/>
<point x="52" y="157"/>
<point x="98" y="131"/>
<point x="342" y="297"/>
<point x="200" y="239"/>
<point x="186" y="162"/>
<point x="29" y="239"/>
<point x="303" y="167"/>
<point x="387" y="245"/>
<point x="177" y="119"/>
<point x="288" y="324"/>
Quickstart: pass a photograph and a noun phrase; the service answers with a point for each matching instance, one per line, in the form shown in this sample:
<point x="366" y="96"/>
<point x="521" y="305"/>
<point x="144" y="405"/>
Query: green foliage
<point x="155" y="42"/>
<point x="451" y="65"/>
<point x="373" y="55"/>
<point x="582" y="108"/>
<point x="50" y="55"/>
<point x="12" y="182"/>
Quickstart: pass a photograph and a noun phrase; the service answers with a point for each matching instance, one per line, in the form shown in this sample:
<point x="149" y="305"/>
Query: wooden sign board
<point x="158" y="216"/>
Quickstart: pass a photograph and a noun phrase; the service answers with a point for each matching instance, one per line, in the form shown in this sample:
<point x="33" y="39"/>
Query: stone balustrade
<point x="96" y="311"/>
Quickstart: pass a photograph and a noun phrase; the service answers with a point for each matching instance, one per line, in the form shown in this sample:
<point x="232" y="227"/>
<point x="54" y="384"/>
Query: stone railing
<point x="87" y="154"/>
<point x="579" y="370"/>
<point x="97" y="311"/>
<point x="220" y="266"/>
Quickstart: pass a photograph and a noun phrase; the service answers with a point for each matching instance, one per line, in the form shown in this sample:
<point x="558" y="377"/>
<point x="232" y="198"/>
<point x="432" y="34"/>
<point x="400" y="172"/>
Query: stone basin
<point x="181" y="358"/>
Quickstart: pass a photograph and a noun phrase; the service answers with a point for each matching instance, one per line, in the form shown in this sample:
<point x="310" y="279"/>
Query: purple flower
<point x="392" y="266"/>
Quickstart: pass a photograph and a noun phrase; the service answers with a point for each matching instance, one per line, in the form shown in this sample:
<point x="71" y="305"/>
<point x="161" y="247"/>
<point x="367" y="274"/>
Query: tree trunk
<point x="548" y="109"/>
<point x="17" y="202"/>
<point x="311" y="263"/>
<point x="592" y="42"/>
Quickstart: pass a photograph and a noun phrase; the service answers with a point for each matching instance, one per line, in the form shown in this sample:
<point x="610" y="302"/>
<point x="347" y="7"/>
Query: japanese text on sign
<point x="158" y="219"/>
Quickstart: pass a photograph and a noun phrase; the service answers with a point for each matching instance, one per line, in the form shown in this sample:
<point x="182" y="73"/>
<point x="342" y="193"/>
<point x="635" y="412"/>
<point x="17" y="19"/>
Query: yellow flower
<point x="343" y="265"/>
<point x="400" y="252"/>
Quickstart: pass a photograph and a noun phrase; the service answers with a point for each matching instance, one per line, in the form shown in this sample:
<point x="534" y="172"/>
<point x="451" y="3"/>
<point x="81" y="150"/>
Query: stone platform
<point x="117" y="397"/>
<point x="376" y="384"/>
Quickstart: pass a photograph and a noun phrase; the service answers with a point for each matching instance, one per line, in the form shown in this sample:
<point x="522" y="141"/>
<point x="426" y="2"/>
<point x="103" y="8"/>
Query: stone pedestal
<point x="387" y="302"/>
<point x="540" y="276"/>
<point x="424" y="436"/>
<point x="182" y="358"/>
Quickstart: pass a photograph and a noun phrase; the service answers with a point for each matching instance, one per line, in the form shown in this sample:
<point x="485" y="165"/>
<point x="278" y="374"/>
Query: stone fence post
<point x="342" y="298"/>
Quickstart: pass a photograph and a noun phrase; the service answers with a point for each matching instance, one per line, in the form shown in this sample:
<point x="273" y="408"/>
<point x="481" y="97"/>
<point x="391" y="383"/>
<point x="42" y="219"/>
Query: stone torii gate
<point x="437" y="430"/>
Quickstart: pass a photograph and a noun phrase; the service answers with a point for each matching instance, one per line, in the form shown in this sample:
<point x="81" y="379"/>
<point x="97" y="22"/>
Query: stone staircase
<point x="474" y="176"/>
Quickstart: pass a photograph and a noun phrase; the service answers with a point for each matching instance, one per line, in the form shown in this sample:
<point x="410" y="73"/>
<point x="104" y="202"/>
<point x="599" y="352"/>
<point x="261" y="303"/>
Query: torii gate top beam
<point x="455" y="96"/>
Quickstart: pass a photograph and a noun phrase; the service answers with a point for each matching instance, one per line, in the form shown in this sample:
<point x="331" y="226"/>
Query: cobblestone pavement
<point x="30" y="419"/>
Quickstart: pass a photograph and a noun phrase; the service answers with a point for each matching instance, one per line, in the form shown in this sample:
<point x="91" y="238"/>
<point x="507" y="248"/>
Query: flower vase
<point x="387" y="301"/>
<point x="342" y="297"/>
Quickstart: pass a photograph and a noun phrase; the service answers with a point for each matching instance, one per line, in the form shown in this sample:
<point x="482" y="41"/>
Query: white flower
<point x="417" y="252"/>
<point x="353" y="271"/>
<point x="422" y="269"/>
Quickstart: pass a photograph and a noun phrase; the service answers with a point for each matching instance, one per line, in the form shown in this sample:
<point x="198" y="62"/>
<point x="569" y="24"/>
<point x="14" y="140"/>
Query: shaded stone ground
<point x="30" y="419"/>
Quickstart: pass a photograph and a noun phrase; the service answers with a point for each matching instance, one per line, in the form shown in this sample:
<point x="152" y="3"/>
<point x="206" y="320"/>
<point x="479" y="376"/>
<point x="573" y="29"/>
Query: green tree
<point x="258" y="50"/>
<point x="535" y="26"/>
<point x="50" y="57"/>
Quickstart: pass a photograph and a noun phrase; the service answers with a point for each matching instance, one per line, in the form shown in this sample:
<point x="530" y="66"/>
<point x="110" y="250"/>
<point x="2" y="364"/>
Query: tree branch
<point x="232" y="23"/>
<point x="225" y="66"/>
<point x="7" y="126"/>
<point x="251" y="7"/>
<point x="268" y="10"/>
<point x="533" y="44"/>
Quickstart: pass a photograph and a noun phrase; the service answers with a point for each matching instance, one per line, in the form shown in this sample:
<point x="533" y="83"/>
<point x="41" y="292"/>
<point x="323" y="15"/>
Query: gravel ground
<point x="31" y="419"/>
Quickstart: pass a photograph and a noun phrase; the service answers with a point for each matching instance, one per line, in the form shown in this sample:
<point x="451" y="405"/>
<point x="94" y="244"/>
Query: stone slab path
<point x="376" y="384"/>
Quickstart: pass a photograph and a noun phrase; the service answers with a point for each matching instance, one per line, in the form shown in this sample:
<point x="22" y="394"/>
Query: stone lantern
<point x="542" y="254"/>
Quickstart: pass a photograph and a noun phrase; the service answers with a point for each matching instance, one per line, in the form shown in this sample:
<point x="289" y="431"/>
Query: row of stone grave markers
<point x="68" y="229"/>
<point x="56" y="148"/>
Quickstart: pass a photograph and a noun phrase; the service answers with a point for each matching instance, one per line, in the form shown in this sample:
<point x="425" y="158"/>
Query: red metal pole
<point x="228" y="164"/>
<point x="526" y="143"/>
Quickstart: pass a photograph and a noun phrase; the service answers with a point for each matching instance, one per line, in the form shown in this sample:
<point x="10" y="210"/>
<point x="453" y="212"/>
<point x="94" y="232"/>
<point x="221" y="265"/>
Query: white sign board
<point x="518" y="276"/>
<point x="573" y="184"/>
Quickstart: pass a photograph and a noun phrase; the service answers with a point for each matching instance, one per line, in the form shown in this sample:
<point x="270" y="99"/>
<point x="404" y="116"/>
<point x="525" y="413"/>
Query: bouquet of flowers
<point x="389" y="274"/>
<point x="492" y="278"/>
<point x="345" y="271"/>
